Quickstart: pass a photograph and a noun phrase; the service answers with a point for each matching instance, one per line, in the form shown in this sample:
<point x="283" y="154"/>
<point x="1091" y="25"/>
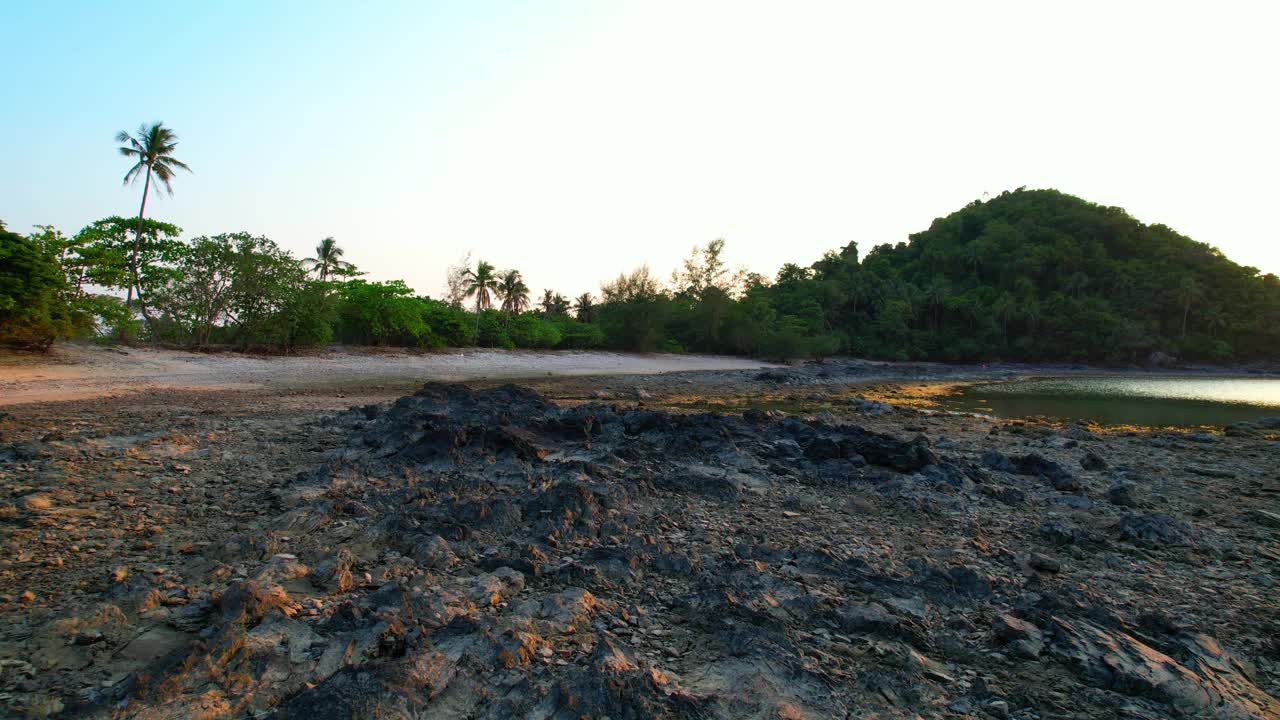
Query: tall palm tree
<point x="585" y="307"/>
<point x="936" y="293"/>
<point x="553" y="303"/>
<point x="1188" y="293"/>
<point x="1004" y="307"/>
<point x="1215" y="319"/>
<point x="973" y="254"/>
<point x="515" y="294"/>
<point x="328" y="259"/>
<point x="481" y="282"/>
<point x="153" y="149"/>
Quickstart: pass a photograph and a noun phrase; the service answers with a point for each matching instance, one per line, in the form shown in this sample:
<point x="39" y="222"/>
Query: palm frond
<point x="133" y="172"/>
<point x="175" y="163"/>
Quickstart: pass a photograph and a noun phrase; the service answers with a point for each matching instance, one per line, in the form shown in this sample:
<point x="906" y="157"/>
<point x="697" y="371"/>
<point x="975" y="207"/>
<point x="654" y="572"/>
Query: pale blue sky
<point x="572" y="140"/>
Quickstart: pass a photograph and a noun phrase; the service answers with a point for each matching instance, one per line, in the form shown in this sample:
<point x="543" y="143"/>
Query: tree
<point x="480" y="282"/>
<point x="554" y="304"/>
<point x="514" y="293"/>
<point x="1188" y="293"/>
<point x="328" y="260"/>
<point x="936" y="293"/>
<point x="705" y="269"/>
<point x="105" y="248"/>
<point x="1215" y="319"/>
<point x="634" y="311"/>
<point x="456" y="281"/>
<point x="32" y="313"/>
<point x="584" y="308"/>
<point x="152" y="148"/>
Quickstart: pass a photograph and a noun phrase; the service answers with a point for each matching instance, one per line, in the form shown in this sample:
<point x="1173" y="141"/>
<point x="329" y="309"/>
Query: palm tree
<point x="1004" y="307"/>
<point x="1031" y="312"/>
<point x="1188" y="293"/>
<point x="480" y="282"/>
<point x="1076" y="283"/>
<point x="153" y="148"/>
<point x="553" y="304"/>
<point x="973" y="254"/>
<point x="328" y="259"/>
<point x="937" y="292"/>
<point x="1215" y="319"/>
<point x="585" y="307"/>
<point x="515" y="294"/>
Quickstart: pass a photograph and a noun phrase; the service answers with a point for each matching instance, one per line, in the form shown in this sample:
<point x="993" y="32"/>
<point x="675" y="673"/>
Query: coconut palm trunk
<point x="133" y="263"/>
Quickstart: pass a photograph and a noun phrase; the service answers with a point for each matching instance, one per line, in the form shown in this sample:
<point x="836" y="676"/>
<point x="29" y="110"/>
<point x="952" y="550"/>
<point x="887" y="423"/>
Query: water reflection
<point x="1162" y="401"/>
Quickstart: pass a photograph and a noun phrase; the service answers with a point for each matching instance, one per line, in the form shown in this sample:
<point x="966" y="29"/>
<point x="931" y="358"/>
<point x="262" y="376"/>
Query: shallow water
<point x="1159" y="401"/>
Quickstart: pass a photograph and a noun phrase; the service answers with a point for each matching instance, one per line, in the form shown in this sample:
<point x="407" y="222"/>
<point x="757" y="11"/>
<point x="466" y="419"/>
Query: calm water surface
<point x="1162" y="401"/>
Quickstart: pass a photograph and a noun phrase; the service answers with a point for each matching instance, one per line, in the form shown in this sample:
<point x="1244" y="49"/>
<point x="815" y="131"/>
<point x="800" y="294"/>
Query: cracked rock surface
<point x="488" y="553"/>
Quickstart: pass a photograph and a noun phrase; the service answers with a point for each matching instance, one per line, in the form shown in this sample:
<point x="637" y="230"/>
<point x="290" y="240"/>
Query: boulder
<point x="1093" y="461"/>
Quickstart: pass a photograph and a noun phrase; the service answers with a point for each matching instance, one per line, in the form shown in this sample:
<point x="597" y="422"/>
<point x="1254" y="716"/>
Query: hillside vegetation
<point x="1028" y="275"/>
<point x="1038" y="275"/>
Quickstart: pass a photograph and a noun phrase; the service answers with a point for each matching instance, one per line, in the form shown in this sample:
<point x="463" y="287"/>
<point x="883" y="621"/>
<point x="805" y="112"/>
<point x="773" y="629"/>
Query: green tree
<point x="514" y="293"/>
<point x="554" y="304"/>
<point x="32" y="312"/>
<point x="584" y="308"/>
<point x="1189" y="292"/>
<point x="328" y="260"/>
<point x="152" y="150"/>
<point x="481" y="282"/>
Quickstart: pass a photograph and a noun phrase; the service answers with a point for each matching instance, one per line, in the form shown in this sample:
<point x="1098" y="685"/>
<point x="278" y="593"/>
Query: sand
<point x="79" y="372"/>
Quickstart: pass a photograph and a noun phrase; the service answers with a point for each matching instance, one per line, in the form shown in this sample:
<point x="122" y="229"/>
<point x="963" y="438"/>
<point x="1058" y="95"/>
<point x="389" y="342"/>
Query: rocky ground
<point x="609" y="547"/>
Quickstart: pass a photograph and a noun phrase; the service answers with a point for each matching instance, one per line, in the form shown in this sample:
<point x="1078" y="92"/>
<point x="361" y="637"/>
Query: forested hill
<point x="1037" y="275"/>
<point x="1029" y="275"/>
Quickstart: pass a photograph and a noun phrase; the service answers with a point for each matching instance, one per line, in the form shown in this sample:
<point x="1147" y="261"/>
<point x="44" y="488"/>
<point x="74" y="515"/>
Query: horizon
<point x="574" y="141"/>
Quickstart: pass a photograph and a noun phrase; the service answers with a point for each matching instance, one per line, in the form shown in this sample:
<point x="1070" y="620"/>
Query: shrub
<point x="576" y="335"/>
<point x="532" y="331"/>
<point x="493" y="331"/>
<point x="33" y="311"/>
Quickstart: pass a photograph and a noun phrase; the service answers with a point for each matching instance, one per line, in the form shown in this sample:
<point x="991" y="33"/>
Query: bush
<point x="493" y="331"/>
<point x="446" y="325"/>
<point x="576" y="335"/>
<point x="33" y="311"/>
<point x="376" y="313"/>
<point x="531" y="331"/>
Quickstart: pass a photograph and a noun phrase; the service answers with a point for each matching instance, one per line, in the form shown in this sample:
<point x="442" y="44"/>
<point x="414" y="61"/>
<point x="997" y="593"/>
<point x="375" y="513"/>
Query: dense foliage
<point x="33" y="312"/>
<point x="1038" y="275"/>
<point x="1029" y="275"/>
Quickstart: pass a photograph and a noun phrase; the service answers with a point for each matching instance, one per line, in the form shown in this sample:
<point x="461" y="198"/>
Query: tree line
<point x="1027" y="275"/>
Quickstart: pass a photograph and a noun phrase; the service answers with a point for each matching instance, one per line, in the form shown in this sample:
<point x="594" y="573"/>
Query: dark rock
<point x="1031" y="464"/>
<point x="1023" y="638"/>
<point x="1005" y="494"/>
<point x="1207" y="680"/>
<point x="1044" y="563"/>
<point x="1156" y="529"/>
<point x="1124" y="494"/>
<point x="1264" y="517"/>
<point x="1059" y="533"/>
<point x="1093" y="461"/>
<point x="1078" y="502"/>
<point x="1243" y="429"/>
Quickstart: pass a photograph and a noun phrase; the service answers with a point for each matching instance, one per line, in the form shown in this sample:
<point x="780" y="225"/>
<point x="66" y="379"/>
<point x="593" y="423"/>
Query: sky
<point x="576" y="139"/>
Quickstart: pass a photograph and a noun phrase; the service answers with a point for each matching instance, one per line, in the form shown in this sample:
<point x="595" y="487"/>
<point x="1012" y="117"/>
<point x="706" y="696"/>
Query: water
<point x="1158" y="402"/>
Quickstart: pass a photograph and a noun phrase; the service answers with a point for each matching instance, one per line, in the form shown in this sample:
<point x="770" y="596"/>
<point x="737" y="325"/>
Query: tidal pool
<point x="1125" y="400"/>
